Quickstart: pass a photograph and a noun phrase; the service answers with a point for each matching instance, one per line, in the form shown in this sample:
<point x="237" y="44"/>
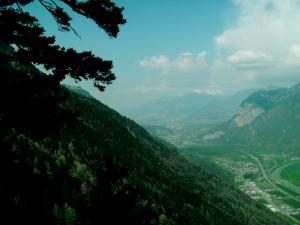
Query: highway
<point x="266" y="176"/>
<point x="275" y="175"/>
<point x="271" y="183"/>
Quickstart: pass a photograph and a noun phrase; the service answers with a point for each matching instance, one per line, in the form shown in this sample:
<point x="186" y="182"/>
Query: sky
<point x="175" y="47"/>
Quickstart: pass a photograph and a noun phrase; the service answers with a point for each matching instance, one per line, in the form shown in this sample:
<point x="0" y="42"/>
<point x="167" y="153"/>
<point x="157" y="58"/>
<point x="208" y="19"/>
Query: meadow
<point x="291" y="174"/>
<point x="271" y="164"/>
<point x="297" y="217"/>
<point x="263" y="201"/>
<point x="264" y="185"/>
<point x="287" y="190"/>
<point x="277" y="193"/>
<point x="292" y="202"/>
<point x="239" y="157"/>
<point x="239" y="183"/>
<point x="286" y="218"/>
<point x="279" y="161"/>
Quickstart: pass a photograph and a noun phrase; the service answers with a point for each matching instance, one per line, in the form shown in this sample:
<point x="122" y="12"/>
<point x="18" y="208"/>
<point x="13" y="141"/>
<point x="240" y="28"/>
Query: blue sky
<point x="175" y="47"/>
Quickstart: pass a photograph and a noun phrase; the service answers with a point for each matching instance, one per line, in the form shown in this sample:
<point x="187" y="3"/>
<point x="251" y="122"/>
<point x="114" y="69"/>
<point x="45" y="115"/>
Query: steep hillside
<point x="265" y="119"/>
<point x="103" y="168"/>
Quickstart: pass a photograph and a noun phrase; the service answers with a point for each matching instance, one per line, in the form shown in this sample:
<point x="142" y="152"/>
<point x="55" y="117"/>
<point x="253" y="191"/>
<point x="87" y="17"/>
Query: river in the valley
<point x="275" y="175"/>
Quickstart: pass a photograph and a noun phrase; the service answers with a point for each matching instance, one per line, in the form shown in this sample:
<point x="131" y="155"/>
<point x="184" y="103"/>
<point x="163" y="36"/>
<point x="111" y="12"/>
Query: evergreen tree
<point x="23" y="45"/>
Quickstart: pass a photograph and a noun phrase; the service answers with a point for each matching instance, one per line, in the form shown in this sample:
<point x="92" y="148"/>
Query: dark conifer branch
<point x="61" y="18"/>
<point x="40" y="92"/>
<point x="22" y="30"/>
<point x="4" y="3"/>
<point x="103" y="12"/>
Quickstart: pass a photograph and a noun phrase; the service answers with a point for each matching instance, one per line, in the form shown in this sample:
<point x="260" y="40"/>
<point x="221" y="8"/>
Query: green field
<point x="264" y="185"/>
<point x="239" y="157"/>
<point x="277" y="193"/>
<point x="208" y="150"/>
<point x="239" y="183"/>
<point x="291" y="174"/>
<point x="292" y="202"/>
<point x="263" y="201"/>
<point x="271" y="164"/>
<point x="297" y="217"/>
<point x="279" y="161"/>
<point x="277" y="202"/>
<point x="286" y="218"/>
<point x="287" y="190"/>
<point x="256" y="154"/>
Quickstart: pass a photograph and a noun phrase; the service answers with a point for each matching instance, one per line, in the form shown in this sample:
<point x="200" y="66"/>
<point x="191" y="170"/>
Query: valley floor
<point x="271" y="179"/>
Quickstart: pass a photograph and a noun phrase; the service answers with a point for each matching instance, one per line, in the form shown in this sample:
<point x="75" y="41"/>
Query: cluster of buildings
<point x="237" y="167"/>
<point x="288" y="209"/>
<point x="252" y="190"/>
<point x="271" y="208"/>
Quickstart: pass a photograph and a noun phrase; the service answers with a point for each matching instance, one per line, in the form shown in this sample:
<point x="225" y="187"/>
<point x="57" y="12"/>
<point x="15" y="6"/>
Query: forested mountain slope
<point x="268" y="120"/>
<point x="104" y="168"/>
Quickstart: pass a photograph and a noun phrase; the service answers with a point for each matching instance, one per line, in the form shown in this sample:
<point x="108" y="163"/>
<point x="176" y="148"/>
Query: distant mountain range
<point x="200" y="106"/>
<point x="266" y="119"/>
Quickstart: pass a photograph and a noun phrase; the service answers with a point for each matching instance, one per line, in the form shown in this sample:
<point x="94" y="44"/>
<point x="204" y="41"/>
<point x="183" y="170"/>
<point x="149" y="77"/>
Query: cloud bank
<point x="183" y="63"/>
<point x="269" y="26"/>
<point x="261" y="47"/>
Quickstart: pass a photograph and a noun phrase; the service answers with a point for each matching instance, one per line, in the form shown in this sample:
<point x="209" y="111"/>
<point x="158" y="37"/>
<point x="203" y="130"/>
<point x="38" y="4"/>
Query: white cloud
<point x="225" y="74"/>
<point x="249" y="59"/>
<point x="269" y="26"/>
<point x="183" y="63"/>
<point x="265" y="41"/>
<point x="262" y="47"/>
<point x="162" y="62"/>
<point x="295" y="51"/>
<point x="293" y="57"/>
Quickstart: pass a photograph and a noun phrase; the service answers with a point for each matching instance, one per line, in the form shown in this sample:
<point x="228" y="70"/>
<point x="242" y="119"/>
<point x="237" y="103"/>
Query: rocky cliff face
<point x="265" y="119"/>
<point x="247" y="113"/>
<point x="217" y="134"/>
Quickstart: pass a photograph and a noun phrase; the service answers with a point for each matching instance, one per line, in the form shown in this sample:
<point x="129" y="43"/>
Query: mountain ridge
<point x="270" y="115"/>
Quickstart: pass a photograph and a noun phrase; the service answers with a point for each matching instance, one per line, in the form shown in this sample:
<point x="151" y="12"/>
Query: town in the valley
<point x="271" y="179"/>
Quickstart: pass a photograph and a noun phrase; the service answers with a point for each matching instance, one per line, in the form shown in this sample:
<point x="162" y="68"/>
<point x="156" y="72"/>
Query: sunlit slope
<point x="265" y="119"/>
